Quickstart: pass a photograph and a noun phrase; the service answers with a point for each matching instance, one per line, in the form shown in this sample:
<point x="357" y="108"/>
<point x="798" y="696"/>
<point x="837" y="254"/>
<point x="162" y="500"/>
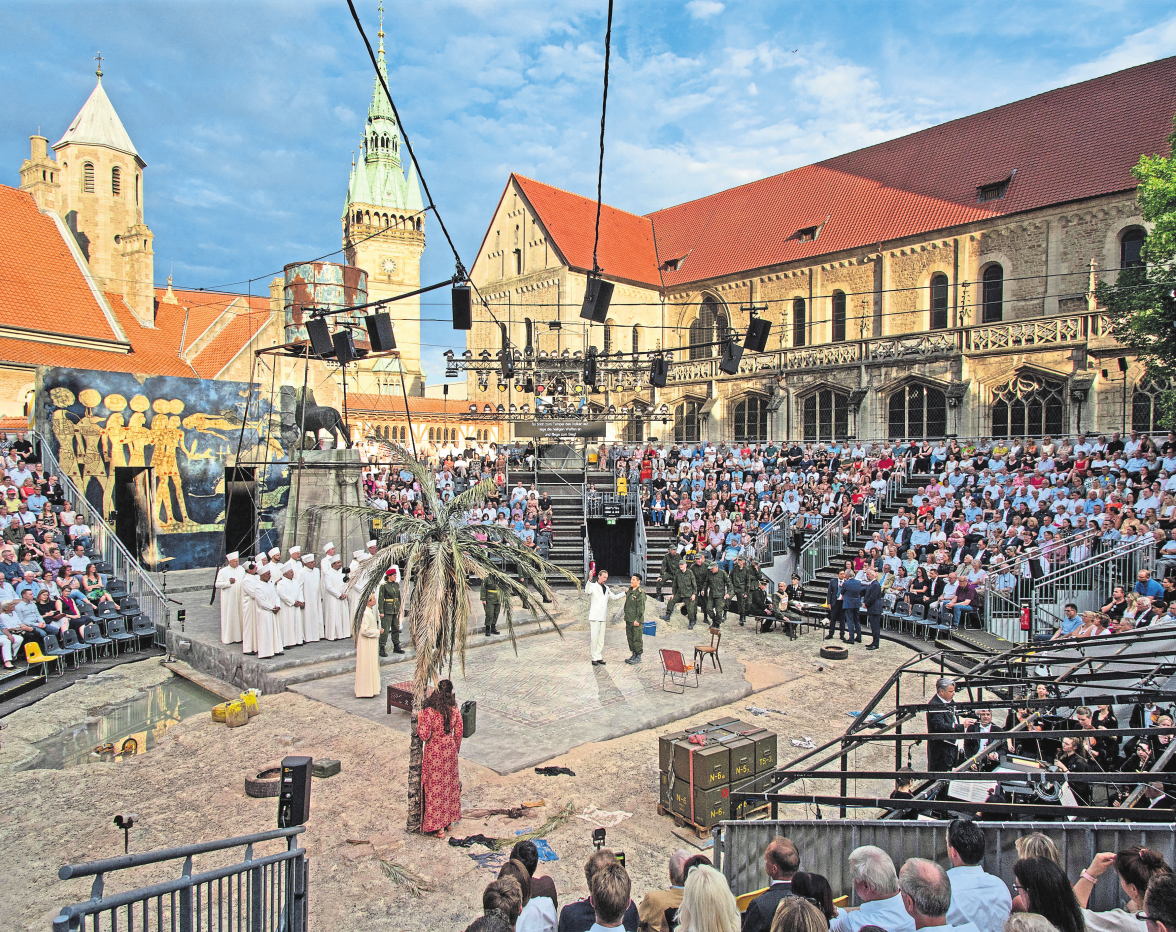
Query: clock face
<point x="389" y="266"/>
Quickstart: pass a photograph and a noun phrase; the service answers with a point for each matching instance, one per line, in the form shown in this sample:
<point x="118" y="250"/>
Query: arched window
<point x="116" y="181"/>
<point x="1028" y="406"/>
<point x="917" y="411"/>
<point x="798" y="322"/>
<point x="751" y="419"/>
<point x="1131" y="248"/>
<point x="938" y="303"/>
<point x="88" y="177"/>
<point x="826" y="416"/>
<point x="709" y="326"/>
<point x="838" y="316"/>
<point x="636" y="339"/>
<point x="1147" y="408"/>
<point x="993" y="294"/>
<point x="608" y="325"/>
<point x="403" y="435"/>
<point x="635" y="429"/>
<point x="432" y="434"/>
<point x="686" y="422"/>
<point x="530" y="332"/>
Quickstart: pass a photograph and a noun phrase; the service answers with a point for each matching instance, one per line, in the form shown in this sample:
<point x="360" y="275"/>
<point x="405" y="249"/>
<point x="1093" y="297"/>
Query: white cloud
<point x="704" y="9"/>
<point x="752" y="89"/>
<point x="1155" y="42"/>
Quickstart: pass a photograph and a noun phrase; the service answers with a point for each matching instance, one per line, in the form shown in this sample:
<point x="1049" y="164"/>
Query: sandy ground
<point x="190" y="788"/>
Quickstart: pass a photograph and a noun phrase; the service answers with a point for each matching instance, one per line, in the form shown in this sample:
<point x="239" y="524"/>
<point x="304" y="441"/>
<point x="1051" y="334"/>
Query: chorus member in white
<point x="228" y="582"/>
<point x="290" y="595"/>
<point x="335" y="621"/>
<point x="355" y="580"/>
<point x="312" y="614"/>
<point x="249" y="609"/>
<point x="598" y="613"/>
<point x="367" y="653"/>
<point x="269" y="631"/>
<point x="976" y="896"/>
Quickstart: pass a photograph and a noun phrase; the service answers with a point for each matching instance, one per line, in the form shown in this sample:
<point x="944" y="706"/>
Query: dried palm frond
<point x="565" y="815"/>
<point x="399" y="874"/>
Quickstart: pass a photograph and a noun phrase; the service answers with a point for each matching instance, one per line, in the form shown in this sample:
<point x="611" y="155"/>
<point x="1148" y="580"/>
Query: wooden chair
<point x="701" y="651"/>
<point x="675" y="667"/>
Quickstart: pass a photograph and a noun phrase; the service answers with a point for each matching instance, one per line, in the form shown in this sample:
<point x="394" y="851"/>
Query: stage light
<point x="577" y="388"/>
<point x="488" y="409"/>
<point x="514" y="409"/>
<point x="502" y="386"/>
<point x="485" y="354"/>
<point x="467" y="354"/>
<point x="501" y="409"/>
<point x="540" y="388"/>
<point x="612" y="409"/>
<point x="525" y="408"/>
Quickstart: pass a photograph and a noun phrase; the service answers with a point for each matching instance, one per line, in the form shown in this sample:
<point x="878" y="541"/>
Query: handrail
<point x="817" y="550"/>
<point x="639" y="559"/>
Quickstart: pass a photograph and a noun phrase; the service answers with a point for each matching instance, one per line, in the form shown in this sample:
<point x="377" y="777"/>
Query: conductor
<point x="942" y="720"/>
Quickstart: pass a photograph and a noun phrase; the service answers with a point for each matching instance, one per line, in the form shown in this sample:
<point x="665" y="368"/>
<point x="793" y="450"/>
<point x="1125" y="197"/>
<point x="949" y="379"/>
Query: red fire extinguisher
<point x="1025" y="617"/>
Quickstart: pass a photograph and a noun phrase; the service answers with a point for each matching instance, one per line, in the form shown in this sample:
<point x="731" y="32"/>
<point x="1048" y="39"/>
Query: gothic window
<point x="636" y="339"/>
<point x="938" y="301"/>
<point x="1028" y="406"/>
<point x="751" y="419"/>
<point x="88" y="177"/>
<point x="1131" y="248"/>
<point x="530" y="332"/>
<point x="635" y="430"/>
<point x="608" y="325"/>
<point x="403" y="435"/>
<point x="917" y="411"/>
<point x="686" y="422"/>
<point x="518" y="262"/>
<point x="993" y="294"/>
<point x="798" y="322"/>
<point x="116" y="181"/>
<point x="709" y="326"/>
<point x="826" y="416"/>
<point x="838" y="316"/>
<point x="432" y="434"/>
<point x="1147" y="409"/>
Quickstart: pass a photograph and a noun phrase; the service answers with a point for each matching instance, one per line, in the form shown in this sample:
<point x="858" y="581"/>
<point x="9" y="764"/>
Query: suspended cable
<point x="603" y="113"/>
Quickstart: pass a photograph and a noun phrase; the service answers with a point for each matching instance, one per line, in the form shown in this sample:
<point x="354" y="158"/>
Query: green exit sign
<point x="610" y="521"/>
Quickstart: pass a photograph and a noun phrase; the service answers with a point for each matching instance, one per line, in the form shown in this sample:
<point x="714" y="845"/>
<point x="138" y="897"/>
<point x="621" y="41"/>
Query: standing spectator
<point x="976" y="896"/>
<point x="1136" y="868"/>
<point x="926" y="895"/>
<point x="781" y="862"/>
<point x="876" y="884"/>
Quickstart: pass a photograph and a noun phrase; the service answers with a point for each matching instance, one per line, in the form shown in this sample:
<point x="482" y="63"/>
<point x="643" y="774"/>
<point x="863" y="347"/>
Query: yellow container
<point x="249" y="698"/>
<point x="235" y="714"/>
<point x="218" y="712"/>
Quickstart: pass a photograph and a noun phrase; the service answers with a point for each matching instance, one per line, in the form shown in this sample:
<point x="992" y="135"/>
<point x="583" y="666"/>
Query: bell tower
<point x="384" y="227"/>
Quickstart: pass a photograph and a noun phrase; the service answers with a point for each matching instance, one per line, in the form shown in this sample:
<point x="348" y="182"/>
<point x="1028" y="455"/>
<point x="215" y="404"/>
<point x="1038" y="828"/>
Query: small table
<point x="400" y="695"/>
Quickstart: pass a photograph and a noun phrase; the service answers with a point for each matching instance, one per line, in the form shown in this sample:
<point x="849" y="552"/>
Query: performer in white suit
<point x="228" y="581"/>
<point x="249" y="609"/>
<point x="290" y="616"/>
<point x="335" y="623"/>
<point x="598" y="614"/>
<point x="312" y="614"/>
<point x="269" y="631"/>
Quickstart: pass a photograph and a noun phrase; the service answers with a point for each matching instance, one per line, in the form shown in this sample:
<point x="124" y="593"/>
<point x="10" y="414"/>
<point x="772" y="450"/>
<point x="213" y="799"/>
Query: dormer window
<point x="994" y="191"/>
<point x="674" y="265"/>
<point x="808" y="234"/>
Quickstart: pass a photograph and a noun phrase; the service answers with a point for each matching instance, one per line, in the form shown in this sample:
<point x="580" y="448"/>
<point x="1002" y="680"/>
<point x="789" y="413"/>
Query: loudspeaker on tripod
<point x="380" y="335"/>
<point x="462" y="316"/>
<point x="597" y="297"/>
<point x="294" y="793"/>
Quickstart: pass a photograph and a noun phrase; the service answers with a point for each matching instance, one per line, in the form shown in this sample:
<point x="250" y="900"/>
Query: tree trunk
<point x="416" y="797"/>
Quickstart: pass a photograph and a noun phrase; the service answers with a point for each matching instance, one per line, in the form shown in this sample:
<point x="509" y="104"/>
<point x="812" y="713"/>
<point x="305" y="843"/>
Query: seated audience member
<point x="926" y="895"/>
<point x="1159" y="903"/>
<point x="1136" y="868"/>
<point x="976" y="896"/>
<point x="876" y="884"/>
<point x="528" y="854"/>
<point x="816" y="889"/>
<point x="781" y="862"/>
<point x="504" y="899"/>
<point x="609" y="892"/>
<point x="796" y="914"/>
<point x="1037" y="845"/>
<point x="580" y="915"/>
<point x="11" y="633"/>
<point x="656" y="902"/>
<point x="493" y="922"/>
<point x="707" y="903"/>
<point x="1028" y="922"/>
<point x="1042" y="888"/>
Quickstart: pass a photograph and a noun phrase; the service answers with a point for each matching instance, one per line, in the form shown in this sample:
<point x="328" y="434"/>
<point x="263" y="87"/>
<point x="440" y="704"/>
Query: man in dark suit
<point x="781" y="861"/>
<point x="941" y="754"/>
<point x="851" y="601"/>
<point x="972" y="746"/>
<point x="872" y="602"/>
<point x="833" y="596"/>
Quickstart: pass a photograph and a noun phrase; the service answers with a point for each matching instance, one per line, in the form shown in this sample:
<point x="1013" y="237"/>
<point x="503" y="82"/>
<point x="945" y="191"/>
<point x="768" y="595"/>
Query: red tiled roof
<point x="393" y="405"/>
<point x="43" y="287"/>
<point x="626" y="250"/>
<point x="247" y="315"/>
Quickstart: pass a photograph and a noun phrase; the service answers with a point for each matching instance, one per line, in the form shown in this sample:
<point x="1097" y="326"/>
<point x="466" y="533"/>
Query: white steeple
<point x="97" y="124"/>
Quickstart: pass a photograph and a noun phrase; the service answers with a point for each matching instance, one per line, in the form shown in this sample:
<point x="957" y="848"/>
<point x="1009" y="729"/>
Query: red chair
<point x="674" y="666"/>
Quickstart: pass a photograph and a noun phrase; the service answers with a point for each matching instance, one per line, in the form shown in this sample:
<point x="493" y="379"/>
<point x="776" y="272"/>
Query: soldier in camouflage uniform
<point x="490" y="600"/>
<point x="701" y="583"/>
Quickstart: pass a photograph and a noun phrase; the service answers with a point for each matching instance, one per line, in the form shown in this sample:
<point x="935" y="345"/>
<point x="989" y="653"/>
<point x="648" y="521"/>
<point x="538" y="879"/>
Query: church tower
<point x="95" y="185"/>
<point x="384" y="228"/>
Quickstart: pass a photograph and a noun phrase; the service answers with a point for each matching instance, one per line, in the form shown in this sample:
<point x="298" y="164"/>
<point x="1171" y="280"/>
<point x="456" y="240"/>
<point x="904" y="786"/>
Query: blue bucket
<point x="649" y="628"/>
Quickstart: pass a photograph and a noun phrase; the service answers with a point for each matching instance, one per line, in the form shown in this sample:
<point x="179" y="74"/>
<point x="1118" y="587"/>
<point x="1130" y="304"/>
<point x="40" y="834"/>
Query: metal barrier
<point x="772" y="541"/>
<point x="825" y="846"/>
<point x="819" y="550"/>
<point x="611" y="505"/>
<point x="259" y="894"/>
<point x="104" y="541"/>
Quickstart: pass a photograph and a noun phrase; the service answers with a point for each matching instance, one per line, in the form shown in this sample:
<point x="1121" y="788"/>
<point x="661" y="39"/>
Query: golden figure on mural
<point x="63" y="431"/>
<point x="117" y="437"/>
<point x="138" y="436"/>
<point x="168" y="437"/>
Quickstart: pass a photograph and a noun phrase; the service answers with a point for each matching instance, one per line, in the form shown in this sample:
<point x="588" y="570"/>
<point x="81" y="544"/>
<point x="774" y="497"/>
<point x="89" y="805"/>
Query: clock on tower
<point x="389" y="266"/>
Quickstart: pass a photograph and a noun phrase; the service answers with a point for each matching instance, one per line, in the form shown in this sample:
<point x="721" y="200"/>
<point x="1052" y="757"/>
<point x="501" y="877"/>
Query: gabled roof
<point x="626" y="250"/>
<point x="97" y="124"/>
<point x="392" y="406"/>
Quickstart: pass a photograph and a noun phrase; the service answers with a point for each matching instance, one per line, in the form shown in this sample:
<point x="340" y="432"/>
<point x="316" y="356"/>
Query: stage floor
<point x="550" y="699"/>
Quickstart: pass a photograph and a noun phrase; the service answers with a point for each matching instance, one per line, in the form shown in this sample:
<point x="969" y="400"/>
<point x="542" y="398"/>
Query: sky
<point x="248" y="113"/>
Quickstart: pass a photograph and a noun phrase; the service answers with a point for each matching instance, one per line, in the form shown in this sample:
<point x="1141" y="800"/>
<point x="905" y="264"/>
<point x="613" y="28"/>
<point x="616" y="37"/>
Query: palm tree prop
<point x="440" y="553"/>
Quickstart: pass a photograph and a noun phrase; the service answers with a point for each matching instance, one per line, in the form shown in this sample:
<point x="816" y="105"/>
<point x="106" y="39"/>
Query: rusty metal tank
<point x="326" y="285"/>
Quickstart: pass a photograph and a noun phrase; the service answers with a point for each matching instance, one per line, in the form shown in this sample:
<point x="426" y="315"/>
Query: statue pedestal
<point x="327" y="477"/>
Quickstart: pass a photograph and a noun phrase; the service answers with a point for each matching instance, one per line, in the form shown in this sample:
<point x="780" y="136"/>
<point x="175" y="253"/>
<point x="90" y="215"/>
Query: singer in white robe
<point x="356" y="579"/>
<point x="228" y="583"/>
<point x="312" y="613"/>
<point x="269" y="631"/>
<point x="290" y="615"/>
<point x="249" y="610"/>
<point x="335" y="622"/>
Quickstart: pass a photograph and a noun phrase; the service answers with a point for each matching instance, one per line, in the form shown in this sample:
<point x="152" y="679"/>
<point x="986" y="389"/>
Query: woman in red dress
<point x="439" y="728"/>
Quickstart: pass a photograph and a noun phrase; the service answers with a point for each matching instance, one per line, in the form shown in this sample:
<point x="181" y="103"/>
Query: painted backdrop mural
<point x="158" y="447"/>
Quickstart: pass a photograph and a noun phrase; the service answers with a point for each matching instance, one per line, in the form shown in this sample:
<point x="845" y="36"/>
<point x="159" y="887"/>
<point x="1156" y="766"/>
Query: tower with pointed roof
<point x="95" y="184"/>
<point x="384" y="225"/>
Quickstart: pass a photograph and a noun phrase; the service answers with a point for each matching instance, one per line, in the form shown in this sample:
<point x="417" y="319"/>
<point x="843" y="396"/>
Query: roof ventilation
<point x="994" y="191"/>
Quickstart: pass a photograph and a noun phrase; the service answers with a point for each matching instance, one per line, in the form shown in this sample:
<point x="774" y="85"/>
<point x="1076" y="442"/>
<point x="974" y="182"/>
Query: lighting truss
<point x="555" y="374"/>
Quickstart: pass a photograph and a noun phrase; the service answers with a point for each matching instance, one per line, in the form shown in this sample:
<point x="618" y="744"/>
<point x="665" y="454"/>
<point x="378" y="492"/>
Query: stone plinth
<point x="326" y="477"/>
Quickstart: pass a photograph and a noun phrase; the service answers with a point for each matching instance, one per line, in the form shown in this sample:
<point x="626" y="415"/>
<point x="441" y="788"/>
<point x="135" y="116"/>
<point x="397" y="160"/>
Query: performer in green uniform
<point x="669" y="569"/>
<point x="701" y="582"/>
<point x="634" y="618"/>
<point x="742" y="582"/>
<point x="717" y="585"/>
<point x="388" y="605"/>
<point x="685" y="592"/>
<point x="490" y="602"/>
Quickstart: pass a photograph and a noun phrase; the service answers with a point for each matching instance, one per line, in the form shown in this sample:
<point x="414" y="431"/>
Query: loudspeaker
<point x="344" y="347"/>
<point x="380" y="335"/>
<point x="732" y="354"/>
<point x="757" y="335"/>
<point x="320" y="338"/>
<point x="597" y="298"/>
<point x="1122" y="363"/>
<point x="294" y="792"/>
<point x="590" y="367"/>
<point x="460" y="297"/>
<point x="659" y="372"/>
<point x="506" y="365"/>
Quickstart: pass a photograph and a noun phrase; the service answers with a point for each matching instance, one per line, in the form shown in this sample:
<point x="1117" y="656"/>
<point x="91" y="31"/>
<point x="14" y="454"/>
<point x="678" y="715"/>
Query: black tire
<point x="830" y="652"/>
<point x="265" y="785"/>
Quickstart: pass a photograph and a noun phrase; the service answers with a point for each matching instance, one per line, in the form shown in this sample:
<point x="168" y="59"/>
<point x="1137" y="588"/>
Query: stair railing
<point x="639" y="557"/>
<point x="818" y="551"/>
